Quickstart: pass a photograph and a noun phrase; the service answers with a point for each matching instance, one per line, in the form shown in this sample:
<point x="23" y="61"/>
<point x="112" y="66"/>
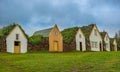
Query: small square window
<point x="56" y="33"/>
<point x="17" y="36"/>
<point x="95" y="32"/>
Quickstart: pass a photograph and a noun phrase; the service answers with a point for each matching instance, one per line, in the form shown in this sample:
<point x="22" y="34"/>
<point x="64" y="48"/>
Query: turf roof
<point x="111" y="40"/>
<point x="69" y="34"/>
<point x="87" y="30"/>
<point x="103" y="34"/>
<point x="5" y="31"/>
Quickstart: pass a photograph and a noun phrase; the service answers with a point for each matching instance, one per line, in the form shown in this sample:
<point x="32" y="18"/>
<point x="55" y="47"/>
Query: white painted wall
<point x="12" y="37"/>
<point x="115" y="45"/>
<point x="78" y="40"/>
<point x="107" y="41"/>
<point x="94" y="38"/>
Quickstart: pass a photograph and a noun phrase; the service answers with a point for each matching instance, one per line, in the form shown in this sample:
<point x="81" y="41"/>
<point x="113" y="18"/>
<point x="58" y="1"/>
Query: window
<point x="80" y="36"/>
<point x="106" y="45"/>
<point x="16" y="43"/>
<point x="106" y="38"/>
<point x="17" y="36"/>
<point x="56" y="33"/>
<point x="94" y="44"/>
<point x="95" y="32"/>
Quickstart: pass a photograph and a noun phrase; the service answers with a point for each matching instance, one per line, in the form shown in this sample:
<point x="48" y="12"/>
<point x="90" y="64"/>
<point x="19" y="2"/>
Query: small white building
<point x="106" y="41"/>
<point x="16" y="40"/>
<point x="113" y="44"/>
<point x="80" y="41"/>
<point x="93" y="37"/>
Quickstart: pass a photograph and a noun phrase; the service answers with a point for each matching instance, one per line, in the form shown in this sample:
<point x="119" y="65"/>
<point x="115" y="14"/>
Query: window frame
<point x="17" y="36"/>
<point x="56" y="33"/>
<point x="95" y="32"/>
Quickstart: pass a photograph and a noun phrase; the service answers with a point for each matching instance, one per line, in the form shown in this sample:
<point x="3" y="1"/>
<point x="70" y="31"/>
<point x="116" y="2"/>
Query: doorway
<point x="100" y="46"/>
<point x="55" y="46"/>
<point x="80" y="46"/>
<point x="17" y="47"/>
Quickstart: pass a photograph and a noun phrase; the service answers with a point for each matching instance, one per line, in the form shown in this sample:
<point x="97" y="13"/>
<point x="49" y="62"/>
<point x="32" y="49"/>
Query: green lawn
<point x="60" y="62"/>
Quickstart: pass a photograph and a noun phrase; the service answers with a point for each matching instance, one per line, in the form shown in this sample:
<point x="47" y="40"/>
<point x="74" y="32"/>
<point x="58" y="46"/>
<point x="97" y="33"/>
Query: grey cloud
<point x="38" y="14"/>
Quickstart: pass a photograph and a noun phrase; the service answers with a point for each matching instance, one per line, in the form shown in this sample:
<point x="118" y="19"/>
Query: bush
<point x="35" y="39"/>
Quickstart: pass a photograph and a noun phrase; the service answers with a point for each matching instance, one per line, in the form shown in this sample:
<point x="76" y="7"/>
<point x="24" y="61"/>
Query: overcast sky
<point x="35" y="15"/>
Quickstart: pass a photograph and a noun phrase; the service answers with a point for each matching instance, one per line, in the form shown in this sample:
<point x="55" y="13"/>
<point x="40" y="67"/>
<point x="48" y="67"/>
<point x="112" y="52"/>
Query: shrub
<point x="35" y="39"/>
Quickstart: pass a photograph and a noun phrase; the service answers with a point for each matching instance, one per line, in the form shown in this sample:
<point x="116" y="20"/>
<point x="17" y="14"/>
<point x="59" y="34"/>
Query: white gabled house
<point x="93" y="38"/>
<point x="15" y="39"/>
<point x="106" y="41"/>
<point x="113" y="44"/>
<point x="80" y="41"/>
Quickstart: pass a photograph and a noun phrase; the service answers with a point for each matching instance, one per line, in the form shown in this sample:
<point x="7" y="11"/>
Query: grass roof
<point x="111" y="40"/>
<point x="69" y="34"/>
<point x="87" y="30"/>
<point x="7" y="29"/>
<point x="103" y="34"/>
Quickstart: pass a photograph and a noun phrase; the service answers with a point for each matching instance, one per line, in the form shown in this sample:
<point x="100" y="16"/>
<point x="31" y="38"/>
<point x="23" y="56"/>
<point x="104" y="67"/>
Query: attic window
<point x="17" y="36"/>
<point x="106" y="38"/>
<point x="95" y="32"/>
<point x="56" y="33"/>
<point x="80" y="36"/>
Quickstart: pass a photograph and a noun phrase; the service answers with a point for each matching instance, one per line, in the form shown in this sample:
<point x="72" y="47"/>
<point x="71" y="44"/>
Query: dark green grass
<point x="60" y="62"/>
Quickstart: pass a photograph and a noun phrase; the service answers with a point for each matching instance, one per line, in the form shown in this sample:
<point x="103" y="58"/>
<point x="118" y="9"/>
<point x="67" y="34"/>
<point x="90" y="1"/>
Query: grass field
<point x="60" y="62"/>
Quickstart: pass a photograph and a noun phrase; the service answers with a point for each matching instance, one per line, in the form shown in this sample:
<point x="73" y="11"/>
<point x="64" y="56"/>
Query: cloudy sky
<point x="35" y="15"/>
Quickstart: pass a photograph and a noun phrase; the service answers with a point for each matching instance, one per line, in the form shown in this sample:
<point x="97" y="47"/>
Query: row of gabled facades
<point x="87" y="38"/>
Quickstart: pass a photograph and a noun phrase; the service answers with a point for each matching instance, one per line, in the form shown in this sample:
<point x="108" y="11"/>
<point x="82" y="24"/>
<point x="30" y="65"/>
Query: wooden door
<point x="16" y="47"/>
<point x="55" y="46"/>
<point x="80" y="46"/>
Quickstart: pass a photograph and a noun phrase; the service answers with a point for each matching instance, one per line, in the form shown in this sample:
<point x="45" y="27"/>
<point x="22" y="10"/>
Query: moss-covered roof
<point x="69" y="34"/>
<point x="87" y="30"/>
<point x="5" y="31"/>
<point x="44" y="32"/>
<point x="112" y="39"/>
<point x="103" y="34"/>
